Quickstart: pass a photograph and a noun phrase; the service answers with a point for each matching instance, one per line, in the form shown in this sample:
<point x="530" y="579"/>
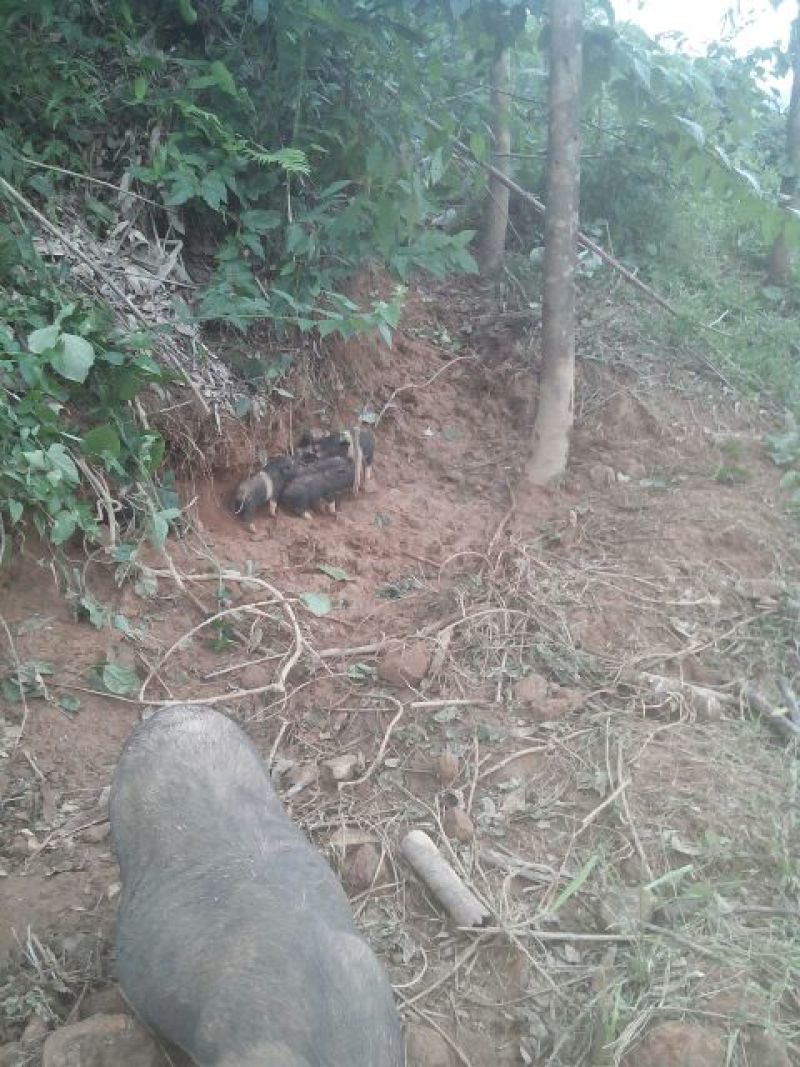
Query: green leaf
<point x="97" y="614"/>
<point x="41" y="340"/>
<point x="223" y="77"/>
<point x="69" y="703"/>
<point x="360" y="672"/>
<point x="15" y="510"/>
<point x="182" y="188"/>
<point x="159" y="530"/>
<point x="73" y="357"/>
<point x="213" y="190"/>
<point x="120" y="680"/>
<point x="575" y="884"/>
<point x="261" y="221"/>
<point x="317" y="603"/>
<point x="100" y="440"/>
<point x="139" y="89"/>
<point x="260" y="11"/>
<point x="63" y="527"/>
<point x="336" y="573"/>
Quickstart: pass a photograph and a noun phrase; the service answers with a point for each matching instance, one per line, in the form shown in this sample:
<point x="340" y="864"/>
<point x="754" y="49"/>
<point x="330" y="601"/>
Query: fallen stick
<point x="429" y="864"/>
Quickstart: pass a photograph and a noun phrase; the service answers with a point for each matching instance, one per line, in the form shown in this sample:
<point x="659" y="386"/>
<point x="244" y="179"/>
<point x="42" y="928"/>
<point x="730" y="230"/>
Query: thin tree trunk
<point x="554" y="413"/>
<point x="495" y="219"/>
<point x="780" y="260"/>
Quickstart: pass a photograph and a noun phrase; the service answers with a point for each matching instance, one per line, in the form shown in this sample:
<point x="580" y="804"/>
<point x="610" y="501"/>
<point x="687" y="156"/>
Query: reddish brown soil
<point x="646" y="566"/>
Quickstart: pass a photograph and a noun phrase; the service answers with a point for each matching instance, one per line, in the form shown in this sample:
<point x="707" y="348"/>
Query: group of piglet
<point x="322" y="468"/>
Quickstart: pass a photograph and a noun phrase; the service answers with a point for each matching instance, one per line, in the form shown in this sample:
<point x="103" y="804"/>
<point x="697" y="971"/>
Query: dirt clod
<point x="447" y="768"/>
<point x="104" y="1002"/>
<point x="361" y="869"/>
<point x="102" y="1041"/>
<point x="531" y="690"/>
<point x="406" y="666"/>
<point x="458" y="825"/>
<point x="426" y="1048"/>
<point x="766" y="1050"/>
<point x="677" y="1044"/>
<point x="93" y="835"/>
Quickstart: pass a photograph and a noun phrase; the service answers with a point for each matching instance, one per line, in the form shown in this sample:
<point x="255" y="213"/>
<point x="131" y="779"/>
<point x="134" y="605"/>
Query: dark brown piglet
<point x="323" y="481"/>
<point x="265" y="487"/>
<point x="235" y="939"/>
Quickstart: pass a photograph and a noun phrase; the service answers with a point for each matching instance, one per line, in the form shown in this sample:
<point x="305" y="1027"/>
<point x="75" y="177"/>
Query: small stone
<point x="601" y="475"/>
<point x="405" y="666"/>
<point x="458" y="825"/>
<point x="104" y="1002"/>
<point x="93" y="835"/>
<point x="299" y="777"/>
<point x="447" y="768"/>
<point x="677" y="1044"/>
<point x="102" y="1041"/>
<point x="362" y="869"/>
<point x="532" y="689"/>
<point x="426" y="1048"/>
<point x="343" y="768"/>
<point x="35" y="1031"/>
<point x="102" y="800"/>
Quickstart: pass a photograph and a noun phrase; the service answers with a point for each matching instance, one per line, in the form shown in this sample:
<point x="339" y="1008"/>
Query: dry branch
<point x="429" y="864"/>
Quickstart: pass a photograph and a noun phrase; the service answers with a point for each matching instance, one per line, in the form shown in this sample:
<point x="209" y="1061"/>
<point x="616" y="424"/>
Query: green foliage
<point x="66" y="376"/>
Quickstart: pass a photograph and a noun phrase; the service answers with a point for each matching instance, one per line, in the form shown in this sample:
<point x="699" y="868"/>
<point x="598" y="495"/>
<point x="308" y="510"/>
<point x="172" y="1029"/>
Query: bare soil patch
<point x="638" y="857"/>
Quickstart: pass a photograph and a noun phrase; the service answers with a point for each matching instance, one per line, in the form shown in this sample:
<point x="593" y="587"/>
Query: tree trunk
<point x="495" y="219"/>
<point x="780" y="260"/>
<point x="553" y="424"/>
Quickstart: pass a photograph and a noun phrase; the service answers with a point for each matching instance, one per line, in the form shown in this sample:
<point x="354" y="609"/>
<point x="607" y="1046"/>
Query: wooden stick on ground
<point x="429" y="864"/>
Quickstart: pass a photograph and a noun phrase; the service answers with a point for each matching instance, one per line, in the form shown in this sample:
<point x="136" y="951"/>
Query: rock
<point x="35" y="1031"/>
<point x="601" y="475"/>
<point x="458" y="825"/>
<point x="677" y="1044"/>
<point x="426" y="1048"/>
<point x="405" y="666"/>
<point x="362" y="868"/>
<point x="532" y="689"/>
<point x="343" y="768"/>
<point x="102" y="800"/>
<point x="102" y="1041"/>
<point x="447" y="768"/>
<point x="93" y="835"/>
<point x="104" y="1002"/>
<point x="11" y="1055"/>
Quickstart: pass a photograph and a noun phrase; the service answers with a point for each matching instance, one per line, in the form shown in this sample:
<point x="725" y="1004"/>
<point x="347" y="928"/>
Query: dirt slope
<point x="660" y="844"/>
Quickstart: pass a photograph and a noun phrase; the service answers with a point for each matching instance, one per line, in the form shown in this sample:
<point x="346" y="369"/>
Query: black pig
<point x="235" y="939"/>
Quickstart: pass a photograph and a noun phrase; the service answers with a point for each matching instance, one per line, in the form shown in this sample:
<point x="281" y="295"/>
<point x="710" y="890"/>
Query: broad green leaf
<point x="120" y="680"/>
<point x="317" y="603"/>
<point x="15" y="510"/>
<point x="100" y="440"/>
<point x="40" y="340"/>
<point x="69" y="703"/>
<point x="213" y="190"/>
<point x="63" y="527"/>
<point x="73" y="357"/>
